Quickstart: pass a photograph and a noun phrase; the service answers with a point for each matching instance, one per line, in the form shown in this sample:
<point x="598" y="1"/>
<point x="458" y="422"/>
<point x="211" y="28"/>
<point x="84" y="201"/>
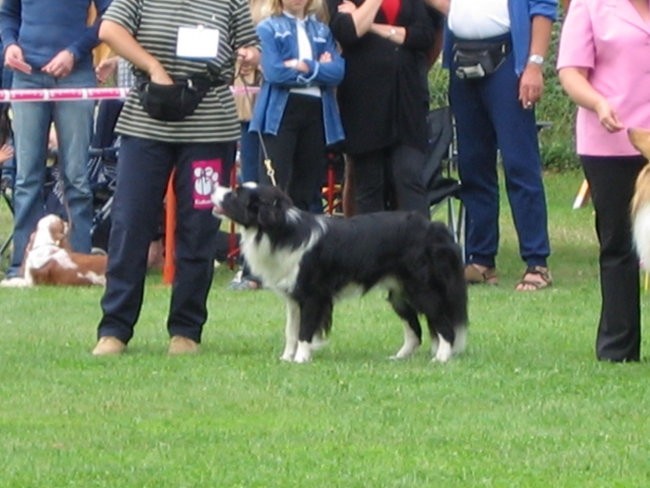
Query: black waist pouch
<point x="477" y="59"/>
<point x="171" y="103"/>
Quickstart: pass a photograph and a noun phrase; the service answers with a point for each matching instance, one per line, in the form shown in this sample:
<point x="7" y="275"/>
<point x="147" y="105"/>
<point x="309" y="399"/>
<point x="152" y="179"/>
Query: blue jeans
<point x="249" y="154"/>
<point x="31" y="123"/>
<point x="489" y="117"/>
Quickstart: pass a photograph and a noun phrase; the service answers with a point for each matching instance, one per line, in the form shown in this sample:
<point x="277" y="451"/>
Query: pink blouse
<point x="611" y="40"/>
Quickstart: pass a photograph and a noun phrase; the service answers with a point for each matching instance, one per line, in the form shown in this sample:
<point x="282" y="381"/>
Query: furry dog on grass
<point x="640" y="208"/>
<point x="49" y="259"/>
<point x="311" y="260"/>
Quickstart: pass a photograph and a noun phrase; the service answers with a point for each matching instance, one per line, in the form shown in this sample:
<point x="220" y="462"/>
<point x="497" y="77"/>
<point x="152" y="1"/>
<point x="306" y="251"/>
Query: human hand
<point x="326" y="57"/>
<point x="14" y="59"/>
<point x="105" y="69"/>
<point x="531" y="85"/>
<point x="60" y="65"/>
<point x="346" y="7"/>
<point x="297" y="64"/>
<point x="6" y="153"/>
<point x="159" y="75"/>
<point x="608" y="117"/>
<point x="249" y="58"/>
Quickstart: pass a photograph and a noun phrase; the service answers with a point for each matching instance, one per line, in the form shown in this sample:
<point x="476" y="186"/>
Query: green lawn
<point x="526" y="405"/>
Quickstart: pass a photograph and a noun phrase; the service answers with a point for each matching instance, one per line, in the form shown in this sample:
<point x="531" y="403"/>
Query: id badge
<point x="197" y="42"/>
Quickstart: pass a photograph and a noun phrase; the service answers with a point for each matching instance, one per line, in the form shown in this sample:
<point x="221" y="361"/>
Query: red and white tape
<point x="72" y="94"/>
<point x="62" y="94"/>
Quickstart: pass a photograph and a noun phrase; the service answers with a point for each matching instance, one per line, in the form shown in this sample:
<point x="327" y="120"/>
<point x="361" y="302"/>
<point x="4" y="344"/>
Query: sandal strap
<point x="540" y="271"/>
<point x="475" y="275"/>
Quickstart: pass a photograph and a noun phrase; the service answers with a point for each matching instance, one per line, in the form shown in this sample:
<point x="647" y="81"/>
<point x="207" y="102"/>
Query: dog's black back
<point x="313" y="259"/>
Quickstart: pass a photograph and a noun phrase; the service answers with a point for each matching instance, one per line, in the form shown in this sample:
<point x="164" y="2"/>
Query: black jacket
<point x="384" y="96"/>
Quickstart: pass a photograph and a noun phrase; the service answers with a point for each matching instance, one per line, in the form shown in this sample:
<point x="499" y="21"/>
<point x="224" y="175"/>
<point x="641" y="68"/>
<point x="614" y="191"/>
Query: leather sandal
<point x="475" y="275"/>
<point x="535" y="285"/>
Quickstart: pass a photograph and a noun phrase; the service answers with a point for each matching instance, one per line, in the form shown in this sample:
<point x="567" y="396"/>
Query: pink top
<point x="610" y="38"/>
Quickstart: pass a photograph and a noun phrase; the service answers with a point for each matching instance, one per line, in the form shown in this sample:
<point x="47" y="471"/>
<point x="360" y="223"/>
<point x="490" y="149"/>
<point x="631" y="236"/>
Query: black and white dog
<point x="311" y="260"/>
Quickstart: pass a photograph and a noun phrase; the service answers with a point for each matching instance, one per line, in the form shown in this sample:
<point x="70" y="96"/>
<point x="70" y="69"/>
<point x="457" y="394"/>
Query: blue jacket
<point x="521" y="13"/>
<point x="43" y="28"/>
<point x="279" y="41"/>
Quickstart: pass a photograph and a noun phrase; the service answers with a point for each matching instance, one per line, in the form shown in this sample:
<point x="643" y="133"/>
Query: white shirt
<point x="304" y="52"/>
<point x="478" y="19"/>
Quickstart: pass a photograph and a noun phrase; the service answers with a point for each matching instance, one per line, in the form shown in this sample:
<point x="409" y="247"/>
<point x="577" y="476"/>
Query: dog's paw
<point x="443" y="352"/>
<point x="303" y="354"/>
<point x="404" y="352"/>
<point x="411" y="343"/>
<point x="287" y="357"/>
<point x="289" y="352"/>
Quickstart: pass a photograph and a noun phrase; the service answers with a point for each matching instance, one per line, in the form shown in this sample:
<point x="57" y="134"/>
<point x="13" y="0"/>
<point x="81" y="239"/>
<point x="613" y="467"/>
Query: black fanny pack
<point x="172" y="103"/>
<point x="477" y="59"/>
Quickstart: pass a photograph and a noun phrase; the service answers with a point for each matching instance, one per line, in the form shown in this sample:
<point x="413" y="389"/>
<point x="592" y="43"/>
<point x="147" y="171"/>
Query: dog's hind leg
<point x="291" y="329"/>
<point x="412" y="329"/>
<point x="440" y="329"/>
<point x="446" y="340"/>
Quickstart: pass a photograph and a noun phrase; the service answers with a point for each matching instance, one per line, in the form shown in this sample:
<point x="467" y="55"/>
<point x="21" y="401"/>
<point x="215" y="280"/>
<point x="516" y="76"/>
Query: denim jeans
<point x="250" y="156"/>
<point x="31" y="123"/>
<point x="489" y="117"/>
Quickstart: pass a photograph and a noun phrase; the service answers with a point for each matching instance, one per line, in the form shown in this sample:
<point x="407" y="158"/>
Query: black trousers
<point x="390" y="179"/>
<point x="611" y="182"/>
<point x="297" y="152"/>
<point x="144" y="168"/>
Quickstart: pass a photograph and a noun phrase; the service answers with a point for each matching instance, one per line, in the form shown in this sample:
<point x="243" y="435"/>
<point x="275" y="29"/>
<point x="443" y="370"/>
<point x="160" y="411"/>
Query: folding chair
<point x="7" y="178"/>
<point x="443" y="188"/>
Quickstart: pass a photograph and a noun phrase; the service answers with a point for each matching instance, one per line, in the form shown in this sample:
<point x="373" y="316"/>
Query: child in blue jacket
<point x="296" y="111"/>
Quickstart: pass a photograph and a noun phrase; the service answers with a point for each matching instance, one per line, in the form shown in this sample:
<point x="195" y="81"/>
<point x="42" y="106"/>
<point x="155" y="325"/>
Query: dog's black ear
<point x="273" y="208"/>
<point x="283" y="201"/>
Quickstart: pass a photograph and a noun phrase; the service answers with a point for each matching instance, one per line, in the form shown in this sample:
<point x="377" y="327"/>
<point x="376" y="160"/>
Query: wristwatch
<point x="536" y="59"/>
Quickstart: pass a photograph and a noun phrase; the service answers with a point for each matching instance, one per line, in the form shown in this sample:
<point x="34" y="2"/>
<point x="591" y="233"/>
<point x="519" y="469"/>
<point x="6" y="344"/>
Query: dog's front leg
<point x="315" y="314"/>
<point x="303" y="353"/>
<point x="291" y="329"/>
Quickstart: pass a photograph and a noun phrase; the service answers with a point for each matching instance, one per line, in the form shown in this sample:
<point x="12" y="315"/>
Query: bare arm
<point x="125" y="45"/>
<point x="540" y="35"/>
<point x="441" y="6"/>
<point x="394" y="33"/>
<point x="575" y="83"/>
<point x="363" y="15"/>
<point x="531" y="84"/>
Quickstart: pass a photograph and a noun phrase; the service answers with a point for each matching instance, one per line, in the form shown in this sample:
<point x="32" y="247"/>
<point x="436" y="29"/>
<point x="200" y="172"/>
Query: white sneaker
<point x="14" y="282"/>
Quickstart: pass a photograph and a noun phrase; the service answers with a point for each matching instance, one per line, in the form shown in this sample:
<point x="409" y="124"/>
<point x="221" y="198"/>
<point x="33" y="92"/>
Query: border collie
<point x="312" y="260"/>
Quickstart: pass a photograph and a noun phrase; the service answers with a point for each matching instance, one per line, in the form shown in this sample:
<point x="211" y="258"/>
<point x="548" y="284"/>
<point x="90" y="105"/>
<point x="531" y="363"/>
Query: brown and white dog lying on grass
<point x="49" y="259"/>
<point x="640" y="208"/>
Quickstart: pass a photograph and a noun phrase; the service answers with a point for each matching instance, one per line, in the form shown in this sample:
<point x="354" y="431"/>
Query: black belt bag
<point x="477" y="59"/>
<point x="171" y="103"/>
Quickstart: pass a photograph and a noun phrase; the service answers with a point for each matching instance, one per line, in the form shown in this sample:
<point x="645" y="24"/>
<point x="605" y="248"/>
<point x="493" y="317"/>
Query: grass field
<point x="526" y="406"/>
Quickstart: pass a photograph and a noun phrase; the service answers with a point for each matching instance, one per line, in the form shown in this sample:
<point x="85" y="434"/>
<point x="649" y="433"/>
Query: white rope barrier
<point x="73" y="94"/>
<point x="244" y="90"/>
<point x="61" y="94"/>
